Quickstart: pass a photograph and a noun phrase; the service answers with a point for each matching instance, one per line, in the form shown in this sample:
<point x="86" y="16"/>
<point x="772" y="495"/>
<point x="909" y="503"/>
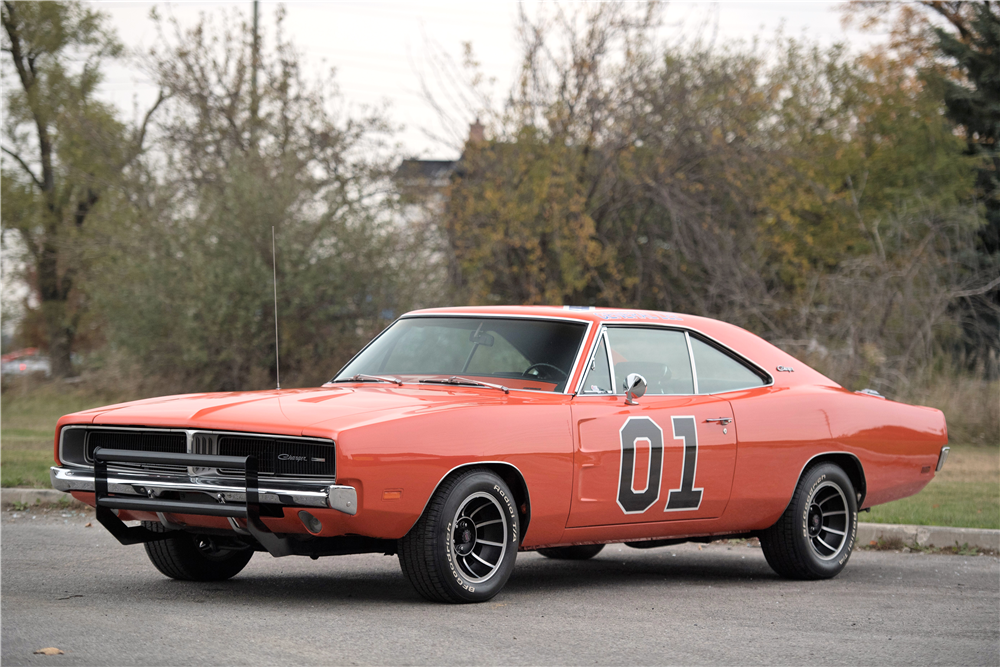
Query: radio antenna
<point x="274" y="275"/>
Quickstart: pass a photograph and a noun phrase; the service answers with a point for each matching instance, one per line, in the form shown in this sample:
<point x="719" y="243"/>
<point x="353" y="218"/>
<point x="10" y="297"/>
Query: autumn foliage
<point x="820" y="197"/>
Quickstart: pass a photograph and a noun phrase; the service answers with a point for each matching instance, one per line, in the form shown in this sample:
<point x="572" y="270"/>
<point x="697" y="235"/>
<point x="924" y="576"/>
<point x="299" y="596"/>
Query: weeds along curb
<point x="929" y="536"/>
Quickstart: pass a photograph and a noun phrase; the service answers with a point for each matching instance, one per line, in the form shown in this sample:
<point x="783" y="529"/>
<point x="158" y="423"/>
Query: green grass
<point x="27" y="428"/>
<point x="26" y="468"/>
<point x="965" y="494"/>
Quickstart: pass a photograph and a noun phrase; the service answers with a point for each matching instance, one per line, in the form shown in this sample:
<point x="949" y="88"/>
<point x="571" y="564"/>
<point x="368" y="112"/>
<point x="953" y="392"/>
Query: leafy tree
<point x="62" y="152"/>
<point x="974" y="104"/>
<point x="187" y="288"/>
<point x="955" y="45"/>
<point x="976" y="107"/>
<point x="521" y="224"/>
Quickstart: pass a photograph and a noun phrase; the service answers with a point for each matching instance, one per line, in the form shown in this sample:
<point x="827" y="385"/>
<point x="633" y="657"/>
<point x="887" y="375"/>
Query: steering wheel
<point x="542" y="365"/>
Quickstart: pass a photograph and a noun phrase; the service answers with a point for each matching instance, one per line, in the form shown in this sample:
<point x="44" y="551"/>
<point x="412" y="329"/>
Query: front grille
<point x="281" y="456"/>
<point x="138" y="441"/>
<point x="275" y="455"/>
<point x="202" y="443"/>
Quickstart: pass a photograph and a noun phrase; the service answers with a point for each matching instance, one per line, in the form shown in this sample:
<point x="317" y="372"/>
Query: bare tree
<point x="66" y="148"/>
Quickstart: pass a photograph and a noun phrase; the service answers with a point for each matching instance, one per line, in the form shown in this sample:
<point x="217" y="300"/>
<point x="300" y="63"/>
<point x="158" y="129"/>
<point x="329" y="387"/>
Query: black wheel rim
<point x="479" y="537"/>
<point x="827" y="521"/>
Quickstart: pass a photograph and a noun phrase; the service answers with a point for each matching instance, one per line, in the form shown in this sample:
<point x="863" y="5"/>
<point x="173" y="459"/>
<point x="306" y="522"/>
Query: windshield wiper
<point x="454" y="379"/>
<point x="361" y="377"/>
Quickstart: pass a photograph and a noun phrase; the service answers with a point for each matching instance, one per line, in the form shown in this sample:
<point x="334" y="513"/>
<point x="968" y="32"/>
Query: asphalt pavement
<point x="76" y="589"/>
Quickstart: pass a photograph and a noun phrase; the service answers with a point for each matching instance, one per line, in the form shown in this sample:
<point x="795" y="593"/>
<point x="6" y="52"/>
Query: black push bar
<point x="250" y="510"/>
<point x="166" y="458"/>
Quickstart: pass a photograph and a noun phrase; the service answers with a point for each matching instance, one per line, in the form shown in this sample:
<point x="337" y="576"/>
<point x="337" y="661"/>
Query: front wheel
<point x="196" y="557"/>
<point x="463" y="547"/>
<point x="815" y="536"/>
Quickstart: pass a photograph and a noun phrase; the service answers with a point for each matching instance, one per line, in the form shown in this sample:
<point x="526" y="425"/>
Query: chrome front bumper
<point x="288" y="492"/>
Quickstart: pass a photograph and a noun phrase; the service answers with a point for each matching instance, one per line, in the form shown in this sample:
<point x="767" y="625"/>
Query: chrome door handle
<point x="721" y="420"/>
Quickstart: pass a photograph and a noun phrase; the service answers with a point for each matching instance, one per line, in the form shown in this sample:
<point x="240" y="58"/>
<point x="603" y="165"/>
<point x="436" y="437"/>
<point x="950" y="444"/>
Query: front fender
<point x="397" y="462"/>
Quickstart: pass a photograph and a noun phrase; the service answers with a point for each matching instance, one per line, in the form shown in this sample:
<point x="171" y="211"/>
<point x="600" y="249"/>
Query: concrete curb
<point x="925" y="536"/>
<point x="930" y="536"/>
<point x="11" y="496"/>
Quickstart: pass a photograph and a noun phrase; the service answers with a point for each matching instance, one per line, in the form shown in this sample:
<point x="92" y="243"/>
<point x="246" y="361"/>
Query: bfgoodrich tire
<point x="575" y="552"/>
<point x="815" y="536"/>
<point x="195" y="557"/>
<point x="463" y="547"/>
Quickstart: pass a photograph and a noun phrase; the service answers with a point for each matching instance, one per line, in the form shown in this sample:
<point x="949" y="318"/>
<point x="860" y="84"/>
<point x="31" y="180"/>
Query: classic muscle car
<point x="460" y="436"/>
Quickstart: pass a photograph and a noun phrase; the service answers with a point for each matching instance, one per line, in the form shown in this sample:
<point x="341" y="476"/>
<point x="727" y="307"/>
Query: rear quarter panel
<point x="780" y="429"/>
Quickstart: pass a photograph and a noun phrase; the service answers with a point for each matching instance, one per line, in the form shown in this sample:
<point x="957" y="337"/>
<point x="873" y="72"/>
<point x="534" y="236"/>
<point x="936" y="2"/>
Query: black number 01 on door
<point x="636" y="499"/>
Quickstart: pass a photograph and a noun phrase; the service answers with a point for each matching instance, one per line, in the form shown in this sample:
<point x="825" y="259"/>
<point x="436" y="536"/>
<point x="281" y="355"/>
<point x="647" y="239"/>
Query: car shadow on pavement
<point x="323" y="586"/>
<point x="375" y="583"/>
<point x="651" y="568"/>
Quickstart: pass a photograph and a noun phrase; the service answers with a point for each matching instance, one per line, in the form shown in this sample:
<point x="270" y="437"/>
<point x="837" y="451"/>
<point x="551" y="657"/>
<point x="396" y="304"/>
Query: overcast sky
<point x="379" y="48"/>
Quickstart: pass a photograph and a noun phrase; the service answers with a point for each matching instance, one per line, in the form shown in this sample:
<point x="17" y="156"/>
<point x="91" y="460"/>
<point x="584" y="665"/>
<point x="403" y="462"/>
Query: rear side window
<point x="718" y="372"/>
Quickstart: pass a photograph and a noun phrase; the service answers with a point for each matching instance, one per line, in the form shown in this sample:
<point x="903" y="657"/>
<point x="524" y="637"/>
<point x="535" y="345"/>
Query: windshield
<point x="520" y="353"/>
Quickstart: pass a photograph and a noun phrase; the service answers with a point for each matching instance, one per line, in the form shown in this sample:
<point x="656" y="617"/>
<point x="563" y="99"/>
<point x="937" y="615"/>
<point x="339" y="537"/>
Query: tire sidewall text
<point x="478" y="482"/>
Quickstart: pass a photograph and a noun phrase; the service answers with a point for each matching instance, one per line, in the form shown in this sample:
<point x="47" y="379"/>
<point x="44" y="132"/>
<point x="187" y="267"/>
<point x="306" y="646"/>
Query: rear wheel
<point x="815" y="536"/>
<point x="575" y="552"/>
<point x="463" y="547"/>
<point x="191" y="557"/>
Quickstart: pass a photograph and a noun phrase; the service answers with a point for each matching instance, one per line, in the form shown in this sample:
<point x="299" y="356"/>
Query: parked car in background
<point x="25" y="362"/>
<point x="460" y="436"/>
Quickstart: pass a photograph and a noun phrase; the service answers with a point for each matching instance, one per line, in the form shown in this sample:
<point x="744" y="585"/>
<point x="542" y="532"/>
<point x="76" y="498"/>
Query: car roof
<point x="589" y="314"/>
<point x="745" y="343"/>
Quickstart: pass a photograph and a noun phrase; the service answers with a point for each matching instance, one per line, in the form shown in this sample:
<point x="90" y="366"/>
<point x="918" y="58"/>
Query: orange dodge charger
<point x="460" y="436"/>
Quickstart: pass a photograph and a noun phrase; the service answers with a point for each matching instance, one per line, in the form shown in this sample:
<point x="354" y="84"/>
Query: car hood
<point x="287" y="411"/>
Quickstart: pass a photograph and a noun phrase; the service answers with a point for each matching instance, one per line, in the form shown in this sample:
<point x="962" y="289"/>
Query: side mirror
<point x="635" y="387"/>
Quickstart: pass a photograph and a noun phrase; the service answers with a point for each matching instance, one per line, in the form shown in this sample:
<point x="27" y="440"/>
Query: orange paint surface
<point x="395" y="444"/>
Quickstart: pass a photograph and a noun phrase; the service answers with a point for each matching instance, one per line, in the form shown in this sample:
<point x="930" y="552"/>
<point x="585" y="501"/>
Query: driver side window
<point x="658" y="355"/>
